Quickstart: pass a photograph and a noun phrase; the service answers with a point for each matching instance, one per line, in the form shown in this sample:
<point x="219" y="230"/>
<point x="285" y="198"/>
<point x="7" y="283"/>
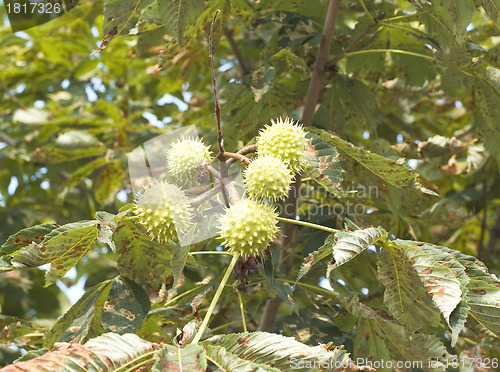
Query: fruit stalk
<point x="211" y="308"/>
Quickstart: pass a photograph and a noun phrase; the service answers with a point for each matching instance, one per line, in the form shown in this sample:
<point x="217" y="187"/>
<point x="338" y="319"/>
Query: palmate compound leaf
<point x="324" y="162"/>
<point x="172" y="358"/>
<point x="104" y="353"/>
<point x="348" y="244"/>
<point x="378" y="338"/>
<point x="404" y="294"/>
<point x="445" y="279"/>
<point x="277" y="351"/>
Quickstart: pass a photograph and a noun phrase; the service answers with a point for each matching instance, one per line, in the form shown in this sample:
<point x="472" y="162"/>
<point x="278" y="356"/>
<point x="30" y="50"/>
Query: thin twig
<point x="484" y="225"/>
<point x="248" y="149"/>
<point x="237" y="156"/>
<point x="236" y="50"/>
<point x="12" y="96"/>
<point x="354" y="41"/>
<point x="217" y="107"/>
<point x="4" y="137"/>
<point x="220" y="139"/>
<point x="286" y="254"/>
<point x="243" y="151"/>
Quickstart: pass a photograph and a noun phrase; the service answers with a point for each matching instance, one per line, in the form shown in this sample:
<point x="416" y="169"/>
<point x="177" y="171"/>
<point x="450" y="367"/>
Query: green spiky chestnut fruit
<point x="248" y="227"/>
<point x="284" y="139"/>
<point x="162" y="208"/>
<point x="184" y="158"/>
<point x="267" y="177"/>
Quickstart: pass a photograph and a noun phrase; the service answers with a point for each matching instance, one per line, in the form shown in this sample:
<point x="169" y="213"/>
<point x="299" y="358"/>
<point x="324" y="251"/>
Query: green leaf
<point x="379" y="338"/>
<point x="173" y="358"/>
<point x="459" y="315"/>
<point x="492" y="9"/>
<point x="386" y="169"/>
<point x="125" y="308"/>
<point x="487" y="116"/>
<point x="324" y="162"/>
<point x="108" y="182"/>
<point x="313" y="258"/>
<point x="228" y="362"/>
<point x="82" y="172"/>
<point x="348" y="244"/>
<point x="117" y="17"/>
<point x="178" y="15"/>
<point x="13" y="328"/>
<point x="24" y="237"/>
<point x="76" y="139"/>
<point x="106" y="226"/>
<point x="178" y="261"/>
<point x="443" y="276"/>
<point x="349" y="102"/>
<point x="62" y="251"/>
<point x="286" y="60"/>
<point x="31" y="116"/>
<point x="269" y="349"/>
<point x="474" y="269"/>
<point x="261" y="81"/>
<point x="141" y="259"/>
<point x="447" y="20"/>
<point x="404" y="294"/>
<point x="484" y="302"/>
<point x="53" y="155"/>
<point x="283" y="290"/>
<point x="76" y="323"/>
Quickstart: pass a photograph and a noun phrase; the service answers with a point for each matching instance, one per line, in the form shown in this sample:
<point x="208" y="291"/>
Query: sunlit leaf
<point x="404" y="294"/>
<point x="348" y="244"/>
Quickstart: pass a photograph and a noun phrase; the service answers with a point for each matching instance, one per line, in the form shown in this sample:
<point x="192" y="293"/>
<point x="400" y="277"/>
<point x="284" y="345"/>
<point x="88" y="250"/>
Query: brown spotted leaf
<point x="273" y="350"/>
<point x="383" y="339"/>
<point x="172" y="358"/>
<point x="105" y="353"/>
<point x="179" y="15"/>
<point x="404" y="294"/>
<point x="125" y="308"/>
<point x="231" y="362"/>
<point x="443" y="277"/>
<point x="313" y="258"/>
<point x="324" y="163"/>
<point x="386" y="169"/>
<point x="348" y="244"/>
<point x="24" y="237"/>
<point x="83" y="317"/>
<point x="108" y="182"/>
<point x="484" y="302"/>
<point x="117" y="19"/>
<point x="62" y="251"/>
<point x="141" y="259"/>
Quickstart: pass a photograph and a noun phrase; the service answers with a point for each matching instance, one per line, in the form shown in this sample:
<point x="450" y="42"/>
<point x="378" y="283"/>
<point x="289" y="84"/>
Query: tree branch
<point x="237" y="156"/>
<point x="286" y="254"/>
<point x="236" y="50"/>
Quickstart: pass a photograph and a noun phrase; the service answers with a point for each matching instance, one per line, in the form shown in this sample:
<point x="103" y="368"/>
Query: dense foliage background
<point x="414" y="82"/>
